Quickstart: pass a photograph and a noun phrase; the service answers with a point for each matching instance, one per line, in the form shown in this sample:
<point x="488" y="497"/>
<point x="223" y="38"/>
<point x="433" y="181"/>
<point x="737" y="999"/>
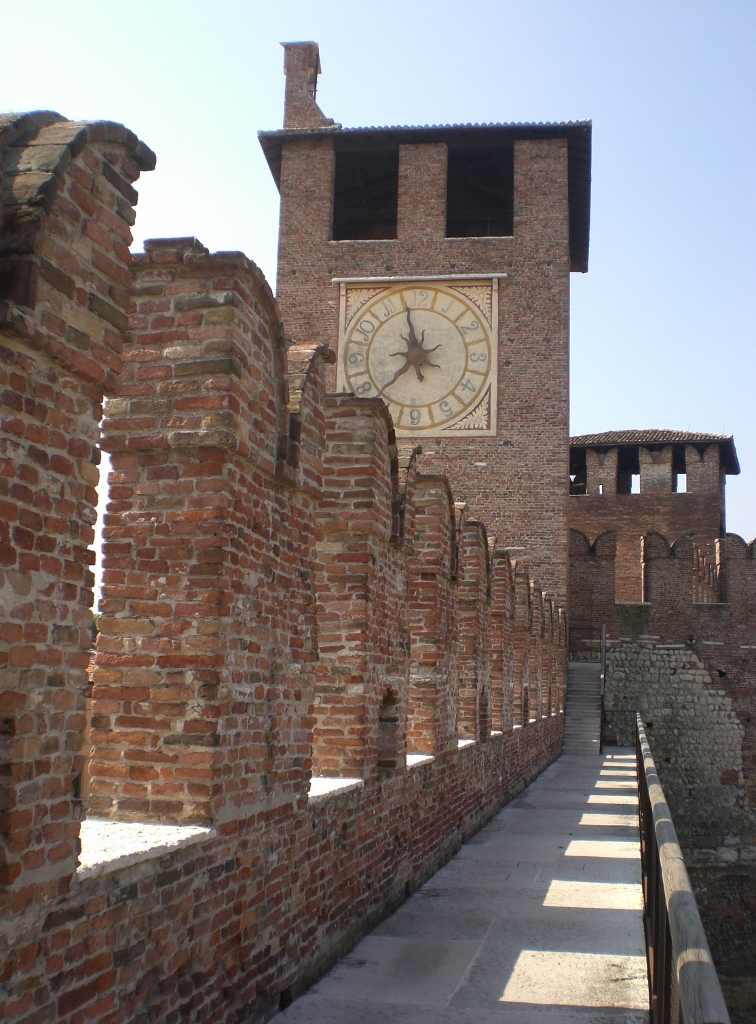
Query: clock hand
<point x="415" y="356"/>
<point x="397" y="375"/>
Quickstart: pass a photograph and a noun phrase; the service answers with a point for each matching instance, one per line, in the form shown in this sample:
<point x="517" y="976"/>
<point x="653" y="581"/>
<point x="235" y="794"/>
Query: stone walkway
<point x="535" y="921"/>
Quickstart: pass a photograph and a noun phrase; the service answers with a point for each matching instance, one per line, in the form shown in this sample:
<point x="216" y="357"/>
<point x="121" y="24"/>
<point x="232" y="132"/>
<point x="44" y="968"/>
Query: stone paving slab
<point x="535" y="921"/>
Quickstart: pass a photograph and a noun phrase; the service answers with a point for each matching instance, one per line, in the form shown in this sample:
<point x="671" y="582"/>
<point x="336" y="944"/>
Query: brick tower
<point x="436" y="262"/>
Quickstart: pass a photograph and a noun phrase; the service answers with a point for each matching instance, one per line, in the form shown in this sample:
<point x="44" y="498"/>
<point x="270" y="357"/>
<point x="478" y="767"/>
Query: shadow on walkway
<point x="537" y="919"/>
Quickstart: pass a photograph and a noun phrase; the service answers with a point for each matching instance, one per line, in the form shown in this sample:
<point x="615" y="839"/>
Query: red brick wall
<point x="515" y="482"/>
<point x="64" y="299"/>
<point x="284" y="887"/>
<point x="232" y="475"/>
<point x="433" y="611"/>
<point x="221" y="929"/>
<point x="185" y="707"/>
<point x="699" y="510"/>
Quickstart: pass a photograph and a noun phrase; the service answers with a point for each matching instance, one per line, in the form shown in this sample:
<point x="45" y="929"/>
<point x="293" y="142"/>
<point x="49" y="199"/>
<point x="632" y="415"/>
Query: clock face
<point x="428" y="350"/>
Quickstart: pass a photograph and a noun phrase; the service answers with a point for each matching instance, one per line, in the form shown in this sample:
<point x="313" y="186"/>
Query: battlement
<point x="604" y="464"/>
<point x="637" y="482"/>
<point x="300" y="631"/>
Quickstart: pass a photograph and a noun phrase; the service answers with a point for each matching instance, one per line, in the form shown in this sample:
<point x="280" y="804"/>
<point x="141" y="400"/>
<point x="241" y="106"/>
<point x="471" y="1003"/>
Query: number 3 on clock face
<point x="429" y="352"/>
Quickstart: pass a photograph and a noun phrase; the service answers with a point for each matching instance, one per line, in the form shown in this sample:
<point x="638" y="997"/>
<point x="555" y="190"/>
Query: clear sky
<point x="663" y="323"/>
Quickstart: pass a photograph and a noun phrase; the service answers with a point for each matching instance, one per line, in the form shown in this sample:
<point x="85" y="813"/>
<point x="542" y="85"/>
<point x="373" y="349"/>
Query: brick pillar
<point x="561" y="661"/>
<point x="64" y="298"/>
<point x="361" y="582"/>
<point x="535" y="659"/>
<point x="206" y="633"/>
<point x="474" y="629"/>
<point x="655" y="470"/>
<point x="702" y="470"/>
<point x="501" y="641"/>
<point x="422" y="192"/>
<point x="521" y="647"/>
<point x="432" y="594"/>
<point x="601" y="471"/>
<point x="547" y="656"/>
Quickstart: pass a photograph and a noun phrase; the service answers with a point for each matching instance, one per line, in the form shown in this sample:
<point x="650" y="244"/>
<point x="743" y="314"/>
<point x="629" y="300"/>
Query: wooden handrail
<point x="603" y="687"/>
<point x="683" y="982"/>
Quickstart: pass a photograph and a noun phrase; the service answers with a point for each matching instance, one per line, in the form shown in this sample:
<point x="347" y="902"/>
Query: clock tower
<point x="435" y="261"/>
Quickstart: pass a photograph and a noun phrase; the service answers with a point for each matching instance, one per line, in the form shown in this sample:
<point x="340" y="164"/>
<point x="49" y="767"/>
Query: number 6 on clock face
<point x="429" y="350"/>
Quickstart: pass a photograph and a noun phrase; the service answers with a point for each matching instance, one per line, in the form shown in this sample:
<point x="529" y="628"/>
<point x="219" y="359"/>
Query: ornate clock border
<point x="428" y="346"/>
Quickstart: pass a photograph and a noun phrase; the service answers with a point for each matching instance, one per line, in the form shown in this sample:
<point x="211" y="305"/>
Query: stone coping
<point x="415" y="760"/>
<point x="322" y="788"/>
<point x="112" y="845"/>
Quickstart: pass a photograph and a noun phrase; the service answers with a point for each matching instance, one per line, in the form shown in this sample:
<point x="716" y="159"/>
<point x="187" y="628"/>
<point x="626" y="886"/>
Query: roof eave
<point x="578" y="133"/>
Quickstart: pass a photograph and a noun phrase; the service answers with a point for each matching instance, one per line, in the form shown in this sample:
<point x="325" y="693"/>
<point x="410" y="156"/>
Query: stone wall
<point x="679" y="701"/>
<point x="246" y="506"/>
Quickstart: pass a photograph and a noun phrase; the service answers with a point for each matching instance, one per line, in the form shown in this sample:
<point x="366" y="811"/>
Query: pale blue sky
<point x="663" y="323"/>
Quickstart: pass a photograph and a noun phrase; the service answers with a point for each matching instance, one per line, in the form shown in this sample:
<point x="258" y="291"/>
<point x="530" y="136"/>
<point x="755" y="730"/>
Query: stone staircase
<point x="582" y="715"/>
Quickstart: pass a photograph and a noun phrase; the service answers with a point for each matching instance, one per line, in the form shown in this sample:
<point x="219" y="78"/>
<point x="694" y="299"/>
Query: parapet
<point x="604" y="464"/>
<point x="66" y="216"/>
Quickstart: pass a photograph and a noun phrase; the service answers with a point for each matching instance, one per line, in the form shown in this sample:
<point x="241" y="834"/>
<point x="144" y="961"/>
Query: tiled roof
<point x="484" y="124"/>
<point x="611" y="438"/>
<point x="649" y="437"/>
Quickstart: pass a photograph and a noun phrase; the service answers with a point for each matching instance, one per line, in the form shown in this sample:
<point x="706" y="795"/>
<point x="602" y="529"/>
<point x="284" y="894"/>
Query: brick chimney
<point x="302" y="67"/>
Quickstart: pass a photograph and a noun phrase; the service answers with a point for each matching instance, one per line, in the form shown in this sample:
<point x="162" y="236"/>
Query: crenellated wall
<point x="607" y="504"/>
<point x="192" y="718"/>
<point x="290" y="609"/>
<point x="65" y="219"/>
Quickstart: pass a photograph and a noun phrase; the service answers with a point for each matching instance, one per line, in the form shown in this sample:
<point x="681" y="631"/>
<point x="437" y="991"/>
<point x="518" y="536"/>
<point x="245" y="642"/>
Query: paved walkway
<point x="535" y="921"/>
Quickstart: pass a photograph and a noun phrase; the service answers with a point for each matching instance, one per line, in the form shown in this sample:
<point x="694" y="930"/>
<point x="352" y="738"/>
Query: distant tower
<point x="436" y="261"/>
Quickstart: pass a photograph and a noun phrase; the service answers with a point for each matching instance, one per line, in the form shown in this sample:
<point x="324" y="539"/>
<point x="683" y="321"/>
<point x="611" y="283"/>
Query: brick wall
<point x="204" y="534"/>
<point x="237" y="486"/>
<point x="64" y="300"/>
<point x="233" y="925"/>
<point x="515" y="482"/>
<point x="700" y="510"/>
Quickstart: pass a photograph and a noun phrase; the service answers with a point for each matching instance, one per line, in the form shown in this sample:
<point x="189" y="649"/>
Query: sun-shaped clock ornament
<point x="428" y="348"/>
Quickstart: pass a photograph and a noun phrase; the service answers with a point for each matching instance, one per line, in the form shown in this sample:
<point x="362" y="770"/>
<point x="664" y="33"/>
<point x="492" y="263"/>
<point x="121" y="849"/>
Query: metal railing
<point x="683" y="984"/>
